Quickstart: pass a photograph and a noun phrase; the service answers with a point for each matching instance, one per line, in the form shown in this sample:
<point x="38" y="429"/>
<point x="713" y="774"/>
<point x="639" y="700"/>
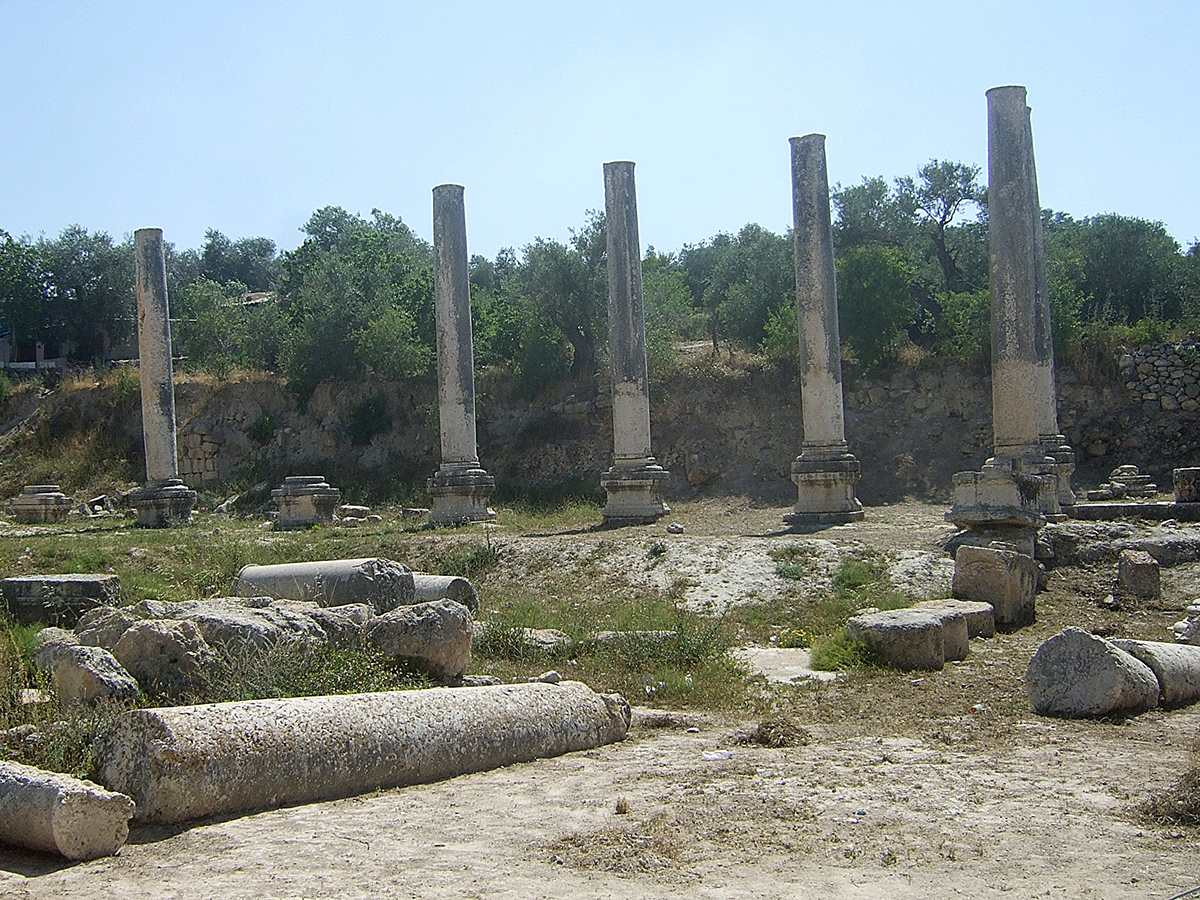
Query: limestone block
<point x="52" y="644"/>
<point x="904" y="638"/>
<point x="182" y="763"/>
<point x="228" y="623"/>
<point x="103" y="626"/>
<point x="342" y="625"/>
<point x="1187" y="485"/>
<point x="436" y="587"/>
<point x="87" y="674"/>
<point x="1176" y="667"/>
<point x="1004" y="578"/>
<point x="955" y="635"/>
<point x="54" y="813"/>
<point x="58" y="599"/>
<point x="1138" y="575"/>
<point x="1076" y="674"/>
<point x="165" y="656"/>
<point x="382" y="583"/>
<point x="980" y="617"/>
<point x="435" y="636"/>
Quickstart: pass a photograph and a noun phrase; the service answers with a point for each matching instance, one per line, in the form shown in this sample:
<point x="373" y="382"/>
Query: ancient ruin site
<point x="825" y="628"/>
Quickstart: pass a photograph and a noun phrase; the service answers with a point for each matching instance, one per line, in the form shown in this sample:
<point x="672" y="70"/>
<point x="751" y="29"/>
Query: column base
<point x="635" y="494"/>
<point x="825" y="482"/>
<point x="40" y="504"/>
<point x="1056" y="447"/>
<point x="304" y="501"/>
<point x="162" y="503"/>
<point x="460" y="495"/>
<point x="1003" y="494"/>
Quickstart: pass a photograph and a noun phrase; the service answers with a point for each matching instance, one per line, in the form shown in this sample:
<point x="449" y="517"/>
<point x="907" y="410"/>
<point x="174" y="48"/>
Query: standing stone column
<point x="460" y="488"/>
<point x="1052" y="443"/>
<point x="825" y="472"/>
<point x="635" y="483"/>
<point x="164" y="499"/>
<point x="1018" y="486"/>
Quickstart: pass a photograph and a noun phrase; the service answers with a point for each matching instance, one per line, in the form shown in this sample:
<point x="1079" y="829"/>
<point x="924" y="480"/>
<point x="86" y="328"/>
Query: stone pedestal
<point x="40" y="504"/>
<point x="635" y="483"/>
<point x="162" y="503"/>
<point x="460" y="495"/>
<point x="1187" y="485"/>
<point x="825" y="472"/>
<point x="305" y="500"/>
<point x="635" y="494"/>
<point x="164" y="499"/>
<point x="460" y="489"/>
<point x="825" y="489"/>
<point x="1002" y="495"/>
<point x="1056" y="448"/>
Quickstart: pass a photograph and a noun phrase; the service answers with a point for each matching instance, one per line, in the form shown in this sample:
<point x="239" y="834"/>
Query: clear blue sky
<point x="248" y="116"/>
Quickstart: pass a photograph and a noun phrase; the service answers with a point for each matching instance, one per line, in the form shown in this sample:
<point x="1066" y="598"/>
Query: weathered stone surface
<point x="1176" y="667"/>
<point x="103" y="627"/>
<point x="183" y="763"/>
<point x="305" y="500"/>
<point x="166" y="656"/>
<point x="382" y="583"/>
<point x="41" y="503"/>
<point x="52" y="643"/>
<point x="58" y="599"/>
<point x="438" y="587"/>
<point x="227" y="624"/>
<point x="54" y="813"/>
<point x="904" y="638"/>
<point x="1004" y="578"/>
<point x="980" y="617"/>
<point x="1076" y="674"/>
<point x="955" y="635"/>
<point x="87" y="674"/>
<point x="435" y="636"/>
<point x="547" y="640"/>
<point x="1138" y="575"/>
<point x="342" y="625"/>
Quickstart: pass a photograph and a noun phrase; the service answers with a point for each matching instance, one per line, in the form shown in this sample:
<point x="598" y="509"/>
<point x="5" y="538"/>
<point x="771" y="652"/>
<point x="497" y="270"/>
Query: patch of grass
<point x="1177" y="805"/>
<point x="495" y="640"/>
<point x="288" y="670"/>
<point x="468" y="560"/>
<point x="777" y="731"/>
<point x="261" y="430"/>
<point x="855" y="574"/>
<point x="838" y="653"/>
<point x="793" y="560"/>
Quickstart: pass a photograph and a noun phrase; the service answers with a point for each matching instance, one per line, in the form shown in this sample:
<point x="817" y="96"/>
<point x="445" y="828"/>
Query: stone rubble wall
<point x="718" y="427"/>
<point x="1166" y="376"/>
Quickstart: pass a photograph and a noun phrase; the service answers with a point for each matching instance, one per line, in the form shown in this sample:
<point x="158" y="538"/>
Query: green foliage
<point x="566" y="290"/>
<point x="670" y="315"/>
<point x="342" y="280"/>
<point x="251" y="262"/>
<point x="390" y="345"/>
<point x="367" y="418"/>
<point x="875" y="301"/>
<point x="964" y="331"/>
<point x="262" y="429"/>
<point x="836" y="652"/>
<point x="288" y="670"/>
<point x="781" y="340"/>
<point x="5" y="386"/>
<point x="468" y="560"/>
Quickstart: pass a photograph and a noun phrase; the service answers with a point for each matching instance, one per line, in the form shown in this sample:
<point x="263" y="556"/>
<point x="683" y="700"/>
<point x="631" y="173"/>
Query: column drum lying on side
<point x="183" y="763"/>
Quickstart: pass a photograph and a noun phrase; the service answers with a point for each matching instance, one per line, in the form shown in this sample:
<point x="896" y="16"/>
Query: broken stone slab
<point x="52" y="643"/>
<point x="908" y="639"/>
<point x="1138" y="575"/>
<point x="342" y="625"/>
<point x="305" y="500"/>
<point x="437" y="587"/>
<point x="1176" y="667"/>
<point x="1187" y="629"/>
<point x="981" y="617"/>
<point x="1004" y="578"/>
<point x="90" y="674"/>
<point x="382" y="583"/>
<point x="1078" y="675"/>
<point x="54" y="813"/>
<point x="41" y="504"/>
<point x="183" y="763"/>
<point x="166" y="656"/>
<point x="1187" y="485"/>
<point x="229" y="624"/>
<point x="57" y="599"/>
<point x="103" y="626"/>
<point x="434" y="636"/>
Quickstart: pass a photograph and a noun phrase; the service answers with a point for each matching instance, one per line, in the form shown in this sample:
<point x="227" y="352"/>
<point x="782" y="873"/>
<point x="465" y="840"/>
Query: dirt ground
<point x="895" y="785"/>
